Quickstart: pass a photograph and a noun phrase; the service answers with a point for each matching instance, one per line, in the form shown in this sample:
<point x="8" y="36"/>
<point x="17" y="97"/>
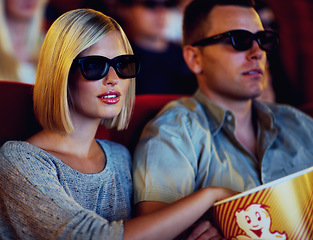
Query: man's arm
<point x="166" y="163"/>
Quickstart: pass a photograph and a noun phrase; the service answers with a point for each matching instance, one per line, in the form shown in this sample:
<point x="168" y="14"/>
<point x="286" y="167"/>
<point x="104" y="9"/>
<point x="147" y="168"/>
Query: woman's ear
<point x="193" y="59"/>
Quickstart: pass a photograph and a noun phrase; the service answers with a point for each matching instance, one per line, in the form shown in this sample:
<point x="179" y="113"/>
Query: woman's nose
<point x="111" y="78"/>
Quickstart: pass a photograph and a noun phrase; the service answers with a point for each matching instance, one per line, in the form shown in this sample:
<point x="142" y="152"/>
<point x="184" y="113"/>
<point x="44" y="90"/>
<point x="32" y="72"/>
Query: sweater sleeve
<point x="34" y="205"/>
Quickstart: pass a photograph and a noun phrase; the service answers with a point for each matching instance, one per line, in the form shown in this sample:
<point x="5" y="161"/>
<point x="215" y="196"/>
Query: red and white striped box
<point x="282" y="209"/>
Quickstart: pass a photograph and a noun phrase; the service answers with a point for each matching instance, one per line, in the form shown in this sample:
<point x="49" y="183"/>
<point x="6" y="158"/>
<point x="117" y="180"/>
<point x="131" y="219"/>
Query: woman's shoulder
<point x="21" y="156"/>
<point x="105" y="144"/>
<point x="17" y="148"/>
<point x="114" y="149"/>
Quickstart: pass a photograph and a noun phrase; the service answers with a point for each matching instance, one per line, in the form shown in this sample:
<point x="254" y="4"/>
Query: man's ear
<point x="193" y="59"/>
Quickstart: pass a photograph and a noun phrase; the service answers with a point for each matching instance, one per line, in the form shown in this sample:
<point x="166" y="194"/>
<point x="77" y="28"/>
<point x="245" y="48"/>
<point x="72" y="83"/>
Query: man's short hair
<point x="196" y="13"/>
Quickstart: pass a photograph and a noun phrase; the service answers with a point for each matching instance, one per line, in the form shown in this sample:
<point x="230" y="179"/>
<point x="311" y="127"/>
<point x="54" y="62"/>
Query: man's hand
<point x="203" y="230"/>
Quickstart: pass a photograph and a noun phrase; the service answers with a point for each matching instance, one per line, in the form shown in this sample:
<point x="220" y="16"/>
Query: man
<point x="221" y="136"/>
<point x="163" y="69"/>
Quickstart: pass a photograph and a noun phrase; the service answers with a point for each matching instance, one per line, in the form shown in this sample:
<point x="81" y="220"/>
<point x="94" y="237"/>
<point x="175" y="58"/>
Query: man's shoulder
<point x="285" y="109"/>
<point x="184" y="111"/>
<point x="288" y="114"/>
<point x="181" y="107"/>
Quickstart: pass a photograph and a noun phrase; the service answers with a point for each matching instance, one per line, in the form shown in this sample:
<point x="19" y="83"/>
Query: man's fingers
<point x="204" y="230"/>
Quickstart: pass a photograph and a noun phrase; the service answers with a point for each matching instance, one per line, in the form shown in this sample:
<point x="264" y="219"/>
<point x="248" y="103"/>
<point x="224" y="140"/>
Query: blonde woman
<point x="62" y="183"/>
<point x="22" y="34"/>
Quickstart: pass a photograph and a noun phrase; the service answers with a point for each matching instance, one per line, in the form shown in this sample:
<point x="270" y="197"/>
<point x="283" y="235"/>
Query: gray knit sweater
<point x="43" y="198"/>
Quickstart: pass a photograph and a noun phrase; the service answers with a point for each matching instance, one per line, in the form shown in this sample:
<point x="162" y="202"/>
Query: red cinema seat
<point x="17" y="121"/>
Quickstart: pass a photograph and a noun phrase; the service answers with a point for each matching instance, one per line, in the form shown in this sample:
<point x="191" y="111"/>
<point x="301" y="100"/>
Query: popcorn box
<point x="282" y="209"/>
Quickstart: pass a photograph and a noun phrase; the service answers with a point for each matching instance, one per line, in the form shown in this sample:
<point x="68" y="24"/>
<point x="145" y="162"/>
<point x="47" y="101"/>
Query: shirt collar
<point x="219" y="116"/>
<point x="216" y="114"/>
<point x="264" y="114"/>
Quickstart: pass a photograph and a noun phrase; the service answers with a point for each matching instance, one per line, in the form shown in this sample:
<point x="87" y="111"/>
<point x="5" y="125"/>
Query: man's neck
<point x="245" y="131"/>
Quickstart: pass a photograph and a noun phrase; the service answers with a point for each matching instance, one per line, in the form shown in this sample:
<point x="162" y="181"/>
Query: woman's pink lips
<point x="110" y="97"/>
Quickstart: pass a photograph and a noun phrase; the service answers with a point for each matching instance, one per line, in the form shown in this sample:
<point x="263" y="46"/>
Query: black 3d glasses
<point x="97" y="67"/>
<point x="242" y="40"/>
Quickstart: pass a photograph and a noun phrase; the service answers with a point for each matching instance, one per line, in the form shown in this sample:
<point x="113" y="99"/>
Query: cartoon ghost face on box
<point x="254" y="220"/>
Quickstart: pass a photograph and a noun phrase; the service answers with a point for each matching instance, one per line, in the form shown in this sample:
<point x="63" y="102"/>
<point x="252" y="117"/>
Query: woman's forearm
<point x="170" y="221"/>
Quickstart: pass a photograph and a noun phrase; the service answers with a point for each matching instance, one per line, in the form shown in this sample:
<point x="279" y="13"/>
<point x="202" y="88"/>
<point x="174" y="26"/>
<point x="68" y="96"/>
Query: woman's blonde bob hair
<point x="69" y="35"/>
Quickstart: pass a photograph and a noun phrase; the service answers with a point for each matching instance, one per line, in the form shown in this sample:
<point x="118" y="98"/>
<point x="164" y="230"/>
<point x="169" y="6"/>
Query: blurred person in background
<point x="105" y="6"/>
<point x="268" y="20"/>
<point x="56" y="8"/>
<point x="163" y="70"/>
<point x="174" y="22"/>
<point x="278" y="86"/>
<point x="22" y="34"/>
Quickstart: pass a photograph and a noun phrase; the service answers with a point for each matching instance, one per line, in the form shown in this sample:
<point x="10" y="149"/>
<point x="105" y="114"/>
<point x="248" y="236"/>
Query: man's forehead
<point x="226" y="18"/>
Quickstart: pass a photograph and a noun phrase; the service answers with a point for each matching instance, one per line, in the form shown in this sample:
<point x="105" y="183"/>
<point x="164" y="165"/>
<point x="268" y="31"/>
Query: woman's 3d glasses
<point x="97" y="67"/>
<point x="242" y="40"/>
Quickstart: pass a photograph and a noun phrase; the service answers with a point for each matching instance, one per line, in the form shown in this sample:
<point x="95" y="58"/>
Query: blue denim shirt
<point x="191" y="144"/>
